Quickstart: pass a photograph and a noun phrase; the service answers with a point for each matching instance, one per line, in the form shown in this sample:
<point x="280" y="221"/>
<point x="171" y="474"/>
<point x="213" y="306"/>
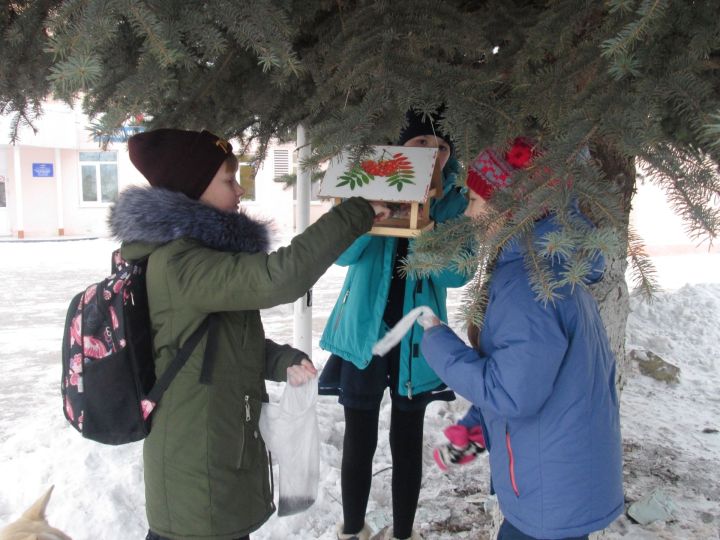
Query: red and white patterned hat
<point x="492" y="170"/>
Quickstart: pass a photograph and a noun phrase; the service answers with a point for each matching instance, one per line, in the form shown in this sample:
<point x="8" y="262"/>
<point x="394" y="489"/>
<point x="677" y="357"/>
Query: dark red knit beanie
<point x="179" y="160"/>
<point x="492" y="170"/>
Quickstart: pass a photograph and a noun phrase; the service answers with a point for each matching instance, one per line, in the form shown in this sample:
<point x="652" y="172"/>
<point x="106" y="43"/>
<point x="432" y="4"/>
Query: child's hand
<point x="462" y="447"/>
<point x="428" y="321"/>
<point x="382" y="212"/>
<point x="301" y="373"/>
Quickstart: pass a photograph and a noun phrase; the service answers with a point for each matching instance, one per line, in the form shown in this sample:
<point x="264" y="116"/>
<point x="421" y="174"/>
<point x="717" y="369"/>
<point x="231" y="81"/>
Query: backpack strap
<point x="207" y="326"/>
<point x="210" y="351"/>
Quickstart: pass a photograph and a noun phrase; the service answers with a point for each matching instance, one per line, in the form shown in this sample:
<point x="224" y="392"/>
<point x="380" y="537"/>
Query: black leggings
<point x="406" y="441"/>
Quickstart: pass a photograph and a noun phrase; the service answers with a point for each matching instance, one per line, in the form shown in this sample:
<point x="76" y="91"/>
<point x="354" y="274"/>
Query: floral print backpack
<point x="108" y="380"/>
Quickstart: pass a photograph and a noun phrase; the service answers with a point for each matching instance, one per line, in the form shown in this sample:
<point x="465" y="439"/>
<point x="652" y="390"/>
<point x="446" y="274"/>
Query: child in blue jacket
<point x="375" y="295"/>
<point x="541" y="378"/>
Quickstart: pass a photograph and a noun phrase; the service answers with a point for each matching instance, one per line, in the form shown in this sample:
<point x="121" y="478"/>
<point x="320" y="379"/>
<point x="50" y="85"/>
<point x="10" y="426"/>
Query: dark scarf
<point x="159" y="216"/>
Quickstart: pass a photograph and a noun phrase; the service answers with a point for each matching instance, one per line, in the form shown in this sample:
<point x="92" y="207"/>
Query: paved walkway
<point x="9" y="239"/>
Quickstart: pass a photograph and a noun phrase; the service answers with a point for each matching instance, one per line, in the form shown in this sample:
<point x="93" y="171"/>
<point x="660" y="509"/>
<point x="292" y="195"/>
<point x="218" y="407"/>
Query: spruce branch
<point x="148" y="26"/>
<point x="557" y="245"/>
<point x="290" y="179"/>
<point x="672" y="168"/>
<point x="636" y="81"/>
<point x="475" y="298"/>
<point x="643" y="271"/>
<point x="622" y="6"/>
<point x="634" y="32"/>
<point x="450" y="242"/>
<point x="575" y="273"/>
<point x="543" y="282"/>
<point x="76" y="74"/>
<point x="18" y="120"/>
<point x="712" y="131"/>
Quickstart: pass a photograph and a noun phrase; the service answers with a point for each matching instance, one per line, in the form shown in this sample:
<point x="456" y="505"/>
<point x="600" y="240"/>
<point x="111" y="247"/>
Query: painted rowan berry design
<point x="402" y="172"/>
<point x="384" y="167"/>
<point x="355" y="177"/>
<point x="397" y="170"/>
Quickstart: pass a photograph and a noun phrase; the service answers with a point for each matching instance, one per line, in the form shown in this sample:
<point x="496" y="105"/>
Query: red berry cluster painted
<point x="386" y="167"/>
<point x="398" y="171"/>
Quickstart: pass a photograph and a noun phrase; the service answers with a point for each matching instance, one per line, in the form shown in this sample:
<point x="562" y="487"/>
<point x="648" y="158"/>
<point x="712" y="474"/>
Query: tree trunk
<point x="613" y="300"/>
<point x="612" y="292"/>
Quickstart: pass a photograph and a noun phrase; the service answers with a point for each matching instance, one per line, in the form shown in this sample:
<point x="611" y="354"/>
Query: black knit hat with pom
<point x="417" y="125"/>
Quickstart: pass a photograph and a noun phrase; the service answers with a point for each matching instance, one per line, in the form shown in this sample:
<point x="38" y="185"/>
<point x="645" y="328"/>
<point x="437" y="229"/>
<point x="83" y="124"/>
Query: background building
<point x="57" y="181"/>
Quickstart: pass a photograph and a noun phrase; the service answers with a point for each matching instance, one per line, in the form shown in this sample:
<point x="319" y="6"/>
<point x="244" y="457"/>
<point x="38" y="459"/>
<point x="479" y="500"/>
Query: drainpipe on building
<point x="59" y="193"/>
<point x="302" y="335"/>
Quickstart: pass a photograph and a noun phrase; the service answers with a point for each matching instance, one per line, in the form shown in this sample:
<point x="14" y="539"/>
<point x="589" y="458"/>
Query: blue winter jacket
<point x="356" y="321"/>
<point x="543" y="387"/>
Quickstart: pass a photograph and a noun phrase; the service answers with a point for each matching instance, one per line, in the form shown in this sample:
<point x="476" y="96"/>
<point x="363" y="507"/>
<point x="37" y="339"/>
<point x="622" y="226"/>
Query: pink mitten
<point x="463" y="447"/>
<point x="475" y="435"/>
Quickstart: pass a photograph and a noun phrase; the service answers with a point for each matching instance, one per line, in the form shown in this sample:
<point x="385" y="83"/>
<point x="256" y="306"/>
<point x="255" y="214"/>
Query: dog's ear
<point x="37" y="511"/>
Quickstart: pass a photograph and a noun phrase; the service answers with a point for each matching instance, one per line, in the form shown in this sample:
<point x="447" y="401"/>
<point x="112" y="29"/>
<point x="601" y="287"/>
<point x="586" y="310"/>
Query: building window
<point x="247" y="180"/>
<point x="99" y="178"/>
<point x="3" y="195"/>
<point x="281" y="163"/>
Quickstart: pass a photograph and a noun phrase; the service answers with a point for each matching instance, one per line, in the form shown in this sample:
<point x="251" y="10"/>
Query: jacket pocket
<point x="249" y="441"/>
<point x="511" y="463"/>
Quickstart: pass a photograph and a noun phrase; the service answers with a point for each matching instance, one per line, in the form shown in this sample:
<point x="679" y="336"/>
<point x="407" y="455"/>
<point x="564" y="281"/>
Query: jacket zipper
<point x="413" y="346"/>
<point x="243" y="434"/>
<point x="512" y="463"/>
<point x="342" y="308"/>
<point x="408" y="384"/>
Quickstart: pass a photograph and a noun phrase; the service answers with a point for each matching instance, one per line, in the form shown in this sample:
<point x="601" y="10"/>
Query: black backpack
<point x="108" y="372"/>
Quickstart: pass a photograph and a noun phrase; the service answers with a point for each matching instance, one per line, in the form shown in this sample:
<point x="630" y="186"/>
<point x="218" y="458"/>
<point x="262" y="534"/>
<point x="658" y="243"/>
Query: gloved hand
<point x="382" y="211"/>
<point x="428" y="321"/>
<point x="463" y="446"/>
<point x="422" y="314"/>
<point x="301" y="373"/>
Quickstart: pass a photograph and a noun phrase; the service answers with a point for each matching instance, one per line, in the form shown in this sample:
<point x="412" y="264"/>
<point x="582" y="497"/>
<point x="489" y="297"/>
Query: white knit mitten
<point x="422" y="314"/>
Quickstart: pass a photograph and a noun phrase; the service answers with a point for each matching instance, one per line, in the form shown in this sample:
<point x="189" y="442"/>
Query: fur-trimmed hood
<point x="158" y="216"/>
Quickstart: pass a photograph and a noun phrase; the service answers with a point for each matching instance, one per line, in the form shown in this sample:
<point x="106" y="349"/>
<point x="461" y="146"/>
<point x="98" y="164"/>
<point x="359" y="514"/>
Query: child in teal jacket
<point x="373" y="298"/>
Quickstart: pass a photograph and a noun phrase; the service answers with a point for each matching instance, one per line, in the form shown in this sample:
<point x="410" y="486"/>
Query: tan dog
<point x="32" y="525"/>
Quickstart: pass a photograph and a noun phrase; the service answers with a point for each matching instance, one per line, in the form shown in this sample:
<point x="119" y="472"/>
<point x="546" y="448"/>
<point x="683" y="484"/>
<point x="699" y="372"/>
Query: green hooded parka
<point x="205" y="464"/>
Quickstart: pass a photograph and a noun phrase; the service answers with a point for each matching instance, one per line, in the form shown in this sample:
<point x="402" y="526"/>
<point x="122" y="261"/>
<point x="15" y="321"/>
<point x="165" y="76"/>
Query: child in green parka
<point x="205" y="464"/>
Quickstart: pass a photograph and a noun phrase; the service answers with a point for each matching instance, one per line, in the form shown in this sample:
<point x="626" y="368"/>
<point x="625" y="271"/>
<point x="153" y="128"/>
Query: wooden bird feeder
<point x="402" y="177"/>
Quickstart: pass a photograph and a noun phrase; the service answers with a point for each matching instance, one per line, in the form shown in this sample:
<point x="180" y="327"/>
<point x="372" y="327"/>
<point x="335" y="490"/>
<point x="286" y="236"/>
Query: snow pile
<point x="669" y="431"/>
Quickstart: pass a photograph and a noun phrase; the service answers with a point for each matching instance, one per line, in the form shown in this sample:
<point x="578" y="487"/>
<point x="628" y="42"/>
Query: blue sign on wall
<point x="121" y="134"/>
<point x="42" y="170"/>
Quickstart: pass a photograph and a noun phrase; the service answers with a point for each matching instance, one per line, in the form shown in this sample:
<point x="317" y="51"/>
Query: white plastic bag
<point x="290" y="431"/>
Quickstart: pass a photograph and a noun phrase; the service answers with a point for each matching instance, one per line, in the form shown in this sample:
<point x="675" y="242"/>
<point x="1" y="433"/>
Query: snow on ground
<point x="669" y="436"/>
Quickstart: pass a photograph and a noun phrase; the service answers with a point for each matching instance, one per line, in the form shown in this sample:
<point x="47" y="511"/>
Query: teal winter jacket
<point x="356" y="321"/>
